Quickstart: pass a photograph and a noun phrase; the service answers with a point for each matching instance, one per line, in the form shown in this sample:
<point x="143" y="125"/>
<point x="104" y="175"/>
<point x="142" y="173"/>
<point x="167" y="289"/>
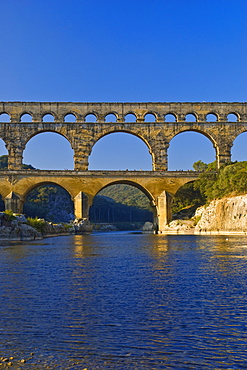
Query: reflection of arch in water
<point x="49" y="147"/>
<point x="120" y="150"/>
<point x="183" y="153"/>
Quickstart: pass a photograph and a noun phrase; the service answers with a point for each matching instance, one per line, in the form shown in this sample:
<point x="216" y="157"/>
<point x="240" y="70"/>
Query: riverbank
<point x="226" y="216"/>
<point x="15" y="227"/>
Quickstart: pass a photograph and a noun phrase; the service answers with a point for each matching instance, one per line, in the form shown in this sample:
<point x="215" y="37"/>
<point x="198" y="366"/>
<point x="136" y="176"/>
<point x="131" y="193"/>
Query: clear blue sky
<point x="122" y="50"/>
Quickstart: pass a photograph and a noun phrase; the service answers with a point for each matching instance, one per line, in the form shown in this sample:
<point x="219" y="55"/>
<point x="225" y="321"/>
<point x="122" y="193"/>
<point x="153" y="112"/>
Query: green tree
<point x="200" y="166"/>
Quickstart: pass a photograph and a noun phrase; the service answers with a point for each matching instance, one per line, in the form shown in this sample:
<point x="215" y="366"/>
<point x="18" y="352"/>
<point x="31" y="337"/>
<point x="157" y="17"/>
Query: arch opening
<point x="3" y="156"/>
<point x="2" y="205"/>
<point x="150" y="117"/>
<point x="211" y="117"/>
<point x="232" y="117"/>
<point x="26" y="117"/>
<point x="170" y="117"/>
<point x="48" y="118"/>
<point x="120" y="151"/>
<point x="50" y="202"/>
<point x="90" y="118"/>
<point x="49" y="151"/>
<point x="187" y="148"/>
<point x="239" y="148"/>
<point x="130" y="117"/>
<point x="123" y="205"/>
<point x="4" y="117"/>
<point x="190" y="117"/>
<point x="70" y="117"/>
<point x="187" y="199"/>
<point x="110" y="118"/>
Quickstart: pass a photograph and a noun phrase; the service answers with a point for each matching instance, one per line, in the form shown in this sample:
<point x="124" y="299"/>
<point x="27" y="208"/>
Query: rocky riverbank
<point x="227" y="215"/>
<point x="17" y="227"/>
<point x="222" y="216"/>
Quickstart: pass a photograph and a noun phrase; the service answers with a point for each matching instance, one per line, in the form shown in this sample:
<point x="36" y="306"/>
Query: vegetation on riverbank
<point x="229" y="180"/>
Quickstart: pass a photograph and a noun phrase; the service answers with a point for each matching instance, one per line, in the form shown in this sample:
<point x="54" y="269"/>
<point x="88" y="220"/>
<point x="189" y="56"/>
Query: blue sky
<point x="114" y="50"/>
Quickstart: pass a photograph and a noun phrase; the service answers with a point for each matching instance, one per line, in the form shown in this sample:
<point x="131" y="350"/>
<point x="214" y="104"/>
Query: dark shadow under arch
<point x="49" y="201"/>
<point x="122" y="202"/>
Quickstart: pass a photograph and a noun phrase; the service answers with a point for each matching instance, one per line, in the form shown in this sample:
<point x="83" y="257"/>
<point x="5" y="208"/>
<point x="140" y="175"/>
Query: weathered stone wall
<point x="157" y="135"/>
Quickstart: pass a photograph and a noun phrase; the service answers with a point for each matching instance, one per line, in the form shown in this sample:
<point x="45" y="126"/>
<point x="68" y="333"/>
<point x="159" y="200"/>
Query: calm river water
<point x="125" y="301"/>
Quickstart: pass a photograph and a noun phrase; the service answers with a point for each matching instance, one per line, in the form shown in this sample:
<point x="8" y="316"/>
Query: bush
<point x="37" y="224"/>
<point x="9" y="215"/>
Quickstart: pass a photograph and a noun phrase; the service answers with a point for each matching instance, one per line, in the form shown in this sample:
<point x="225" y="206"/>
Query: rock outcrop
<point x="15" y="228"/>
<point x="223" y="215"/>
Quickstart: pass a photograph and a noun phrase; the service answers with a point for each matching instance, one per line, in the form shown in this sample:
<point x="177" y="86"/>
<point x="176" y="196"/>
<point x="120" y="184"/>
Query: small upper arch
<point x="170" y="117"/>
<point x="48" y="117"/>
<point x="69" y="117"/>
<point x="4" y="117"/>
<point x="111" y="117"/>
<point x="212" y="117"/>
<point x="191" y="117"/>
<point x="91" y="117"/>
<point x="26" y="117"/>
<point x="130" y="117"/>
<point x="233" y="117"/>
<point x="150" y="117"/>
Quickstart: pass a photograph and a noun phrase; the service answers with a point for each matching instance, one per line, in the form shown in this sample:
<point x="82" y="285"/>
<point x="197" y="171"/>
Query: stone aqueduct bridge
<point x="159" y="185"/>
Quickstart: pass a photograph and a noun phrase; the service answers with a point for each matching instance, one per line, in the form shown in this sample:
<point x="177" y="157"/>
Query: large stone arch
<point x="135" y="132"/>
<point x="238" y="133"/>
<point x="205" y="134"/>
<point x="38" y="183"/>
<point x="137" y="185"/>
<point x="56" y="130"/>
<point x="64" y="194"/>
<point x="131" y="183"/>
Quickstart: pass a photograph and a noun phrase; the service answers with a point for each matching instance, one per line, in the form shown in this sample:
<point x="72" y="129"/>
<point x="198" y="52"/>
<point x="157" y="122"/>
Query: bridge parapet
<point x="59" y="110"/>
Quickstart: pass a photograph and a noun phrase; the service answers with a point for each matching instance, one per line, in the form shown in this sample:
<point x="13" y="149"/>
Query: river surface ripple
<point x="125" y="301"/>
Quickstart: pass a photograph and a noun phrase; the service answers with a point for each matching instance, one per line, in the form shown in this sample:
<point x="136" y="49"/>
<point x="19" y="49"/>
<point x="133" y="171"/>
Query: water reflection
<point x="122" y="301"/>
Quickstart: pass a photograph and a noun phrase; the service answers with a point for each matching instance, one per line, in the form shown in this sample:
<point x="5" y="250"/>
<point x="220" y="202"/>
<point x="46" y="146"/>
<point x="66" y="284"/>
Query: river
<point x="125" y="301"/>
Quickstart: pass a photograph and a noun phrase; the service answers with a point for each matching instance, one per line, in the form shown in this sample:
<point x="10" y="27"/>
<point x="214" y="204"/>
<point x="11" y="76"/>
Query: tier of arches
<point x="131" y="116"/>
<point x="149" y="151"/>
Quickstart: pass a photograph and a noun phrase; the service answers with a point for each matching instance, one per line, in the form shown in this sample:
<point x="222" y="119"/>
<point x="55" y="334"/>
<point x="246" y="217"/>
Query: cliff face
<point x="223" y="215"/>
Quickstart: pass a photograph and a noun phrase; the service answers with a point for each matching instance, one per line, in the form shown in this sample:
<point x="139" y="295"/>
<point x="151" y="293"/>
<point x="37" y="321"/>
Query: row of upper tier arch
<point x="131" y="116"/>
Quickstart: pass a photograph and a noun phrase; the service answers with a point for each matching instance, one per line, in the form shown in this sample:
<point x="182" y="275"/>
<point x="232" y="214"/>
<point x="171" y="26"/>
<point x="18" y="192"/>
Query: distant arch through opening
<point x="120" y="151"/>
<point x="49" y="151"/>
<point x="188" y="147"/>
